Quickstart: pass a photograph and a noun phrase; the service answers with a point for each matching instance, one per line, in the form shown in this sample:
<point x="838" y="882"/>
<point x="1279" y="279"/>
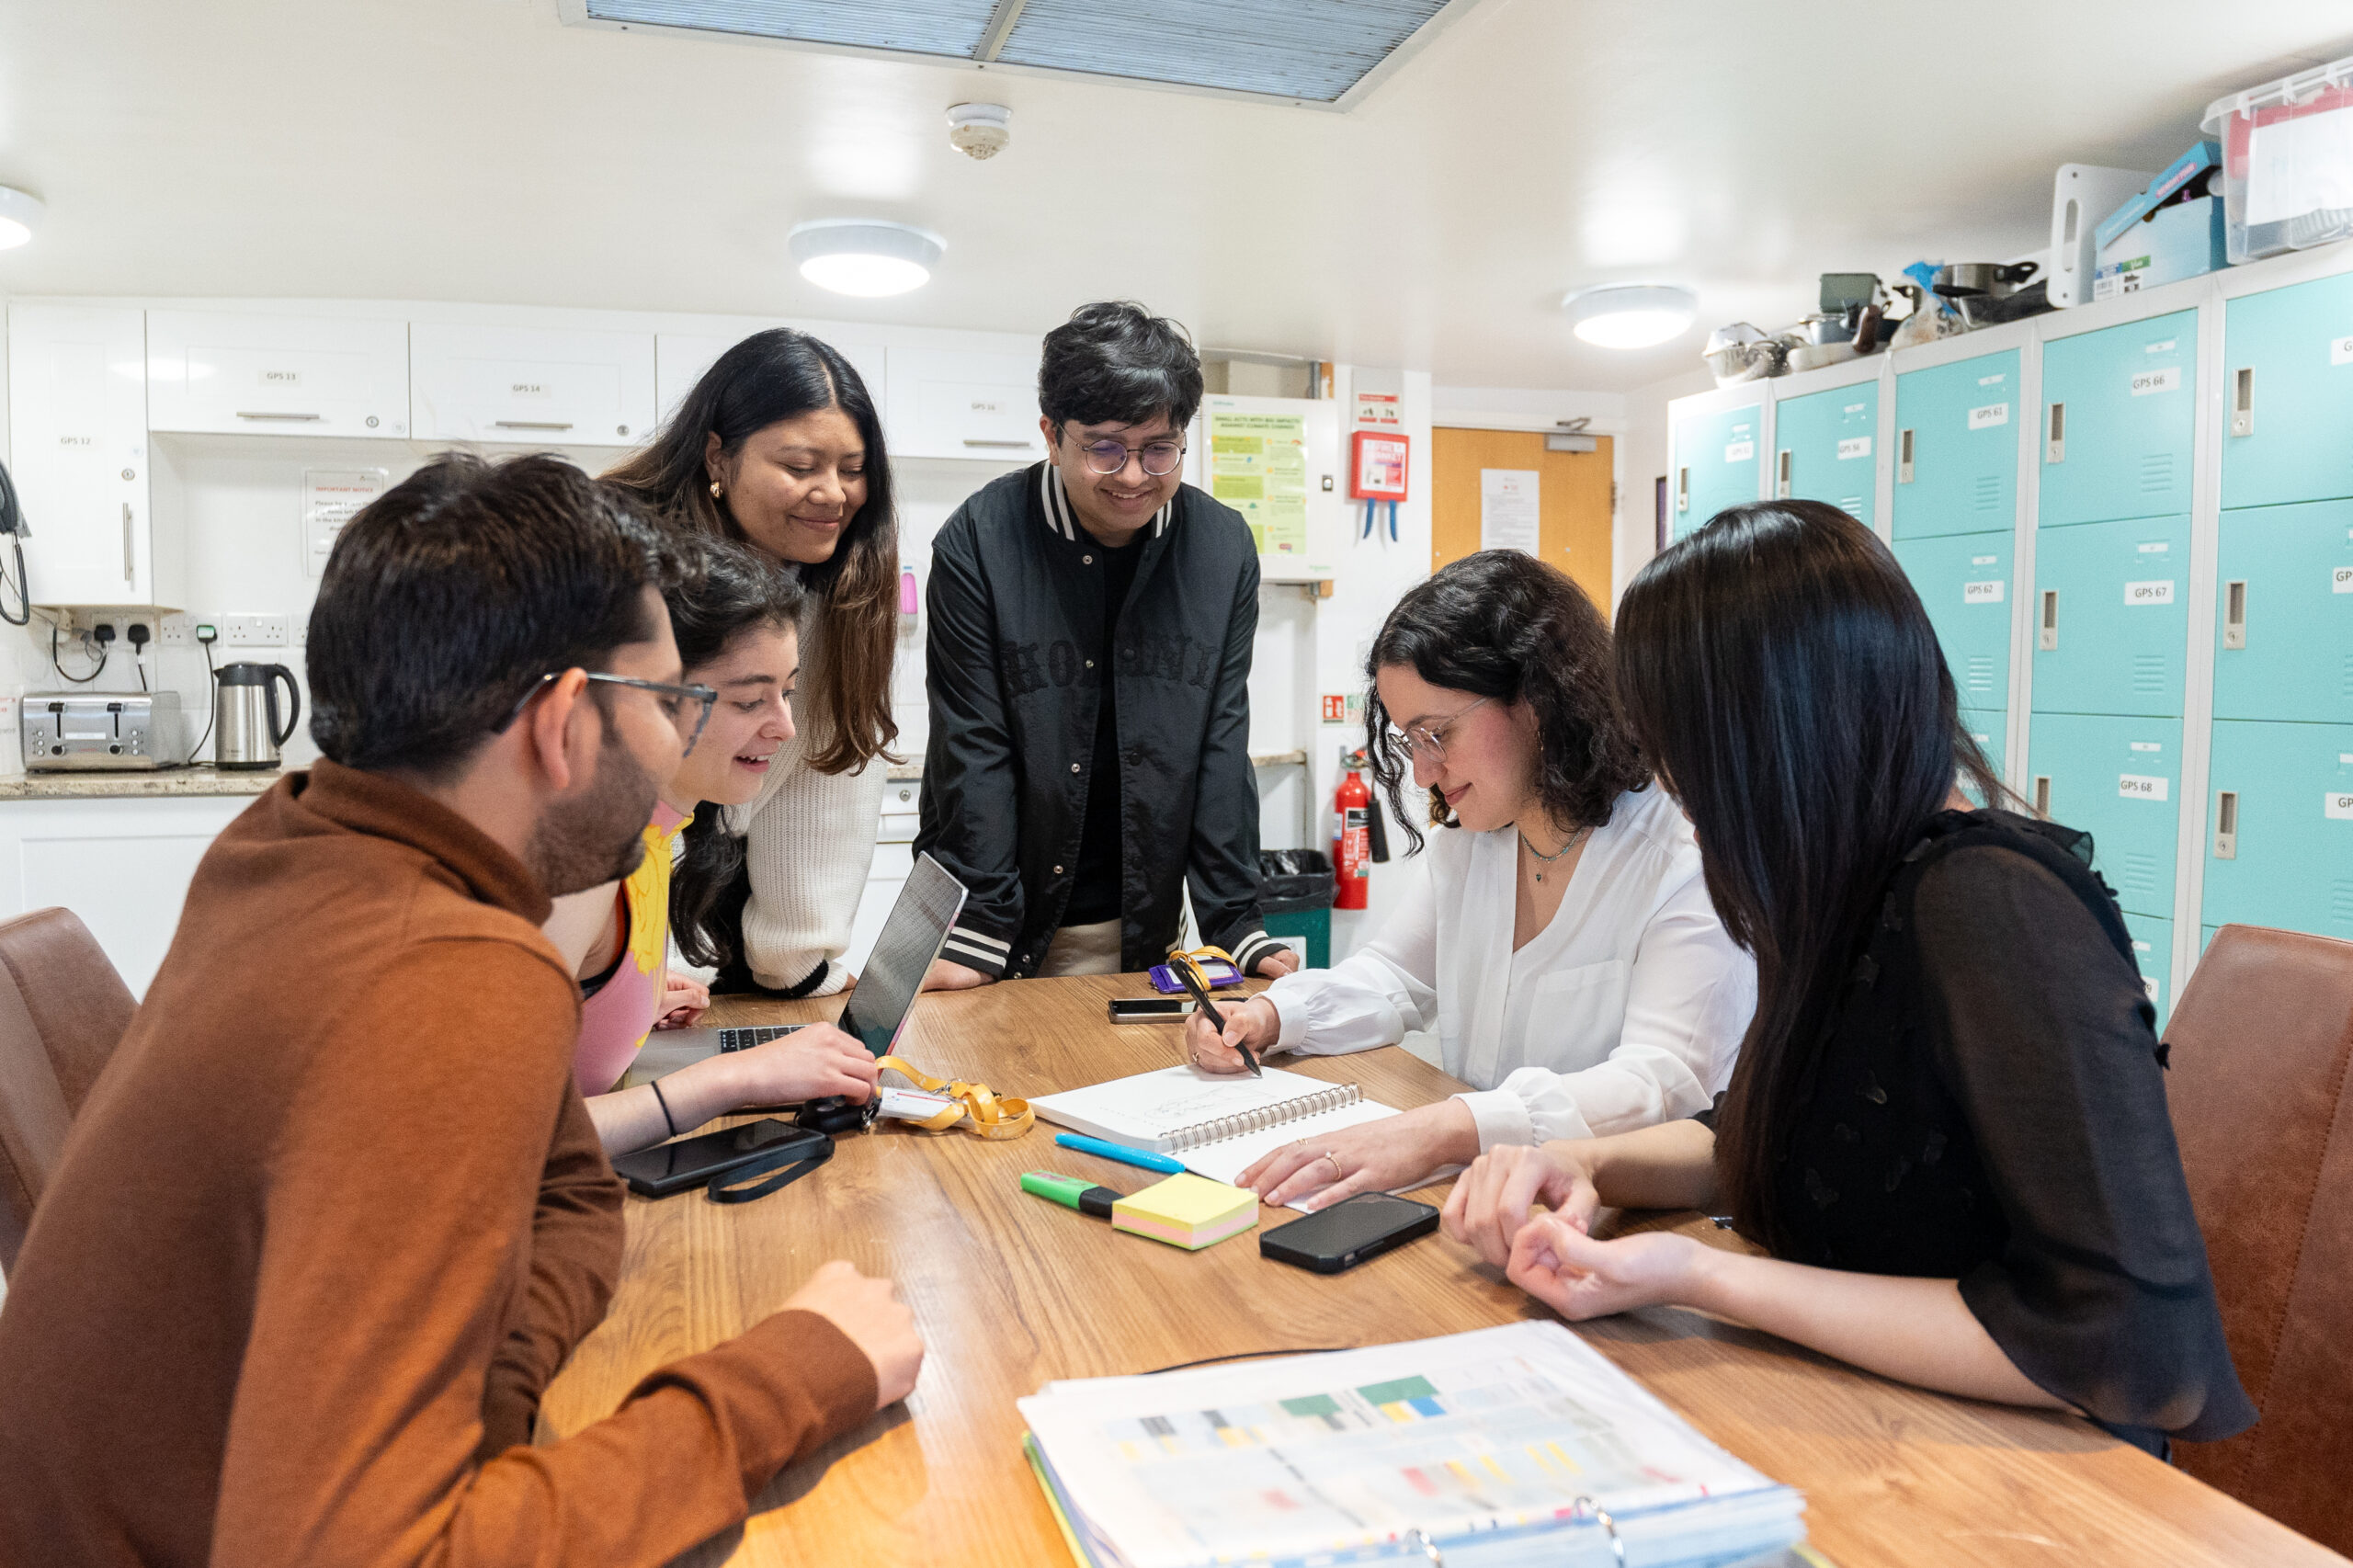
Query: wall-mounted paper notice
<point x="330" y="499"/>
<point x="1509" y="508"/>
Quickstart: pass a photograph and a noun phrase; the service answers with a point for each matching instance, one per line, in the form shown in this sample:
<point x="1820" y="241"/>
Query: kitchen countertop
<point x="148" y="785"/>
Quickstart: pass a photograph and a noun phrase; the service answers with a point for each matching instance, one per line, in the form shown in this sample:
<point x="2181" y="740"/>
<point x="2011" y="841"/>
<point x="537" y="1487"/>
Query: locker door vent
<point x="2149" y="672"/>
<point x="1989" y="492"/>
<point x="2340" y="906"/>
<point x="2140" y="876"/>
<point x="2347" y="682"/>
<point x="1980" y="679"/>
<point x="2156" y="473"/>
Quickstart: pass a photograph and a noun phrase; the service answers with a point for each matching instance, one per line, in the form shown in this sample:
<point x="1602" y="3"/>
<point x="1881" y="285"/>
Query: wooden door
<point x="1574" y="529"/>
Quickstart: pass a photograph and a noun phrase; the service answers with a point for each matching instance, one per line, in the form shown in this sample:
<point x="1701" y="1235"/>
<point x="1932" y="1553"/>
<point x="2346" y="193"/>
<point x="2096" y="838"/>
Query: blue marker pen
<point x="1119" y="1152"/>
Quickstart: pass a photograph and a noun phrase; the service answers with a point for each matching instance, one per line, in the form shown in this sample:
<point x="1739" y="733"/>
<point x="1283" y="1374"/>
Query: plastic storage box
<point x="2287" y="162"/>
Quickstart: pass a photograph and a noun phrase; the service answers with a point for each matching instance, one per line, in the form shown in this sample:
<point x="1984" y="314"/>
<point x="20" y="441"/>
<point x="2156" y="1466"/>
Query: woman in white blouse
<point x="1556" y="933"/>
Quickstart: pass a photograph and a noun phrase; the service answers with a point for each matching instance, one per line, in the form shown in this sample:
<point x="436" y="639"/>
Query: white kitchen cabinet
<point x="956" y="404"/>
<point x="681" y="357"/>
<point x="77" y="450"/>
<point x="123" y="865"/>
<point x="215" y="371"/>
<point x="530" y="385"/>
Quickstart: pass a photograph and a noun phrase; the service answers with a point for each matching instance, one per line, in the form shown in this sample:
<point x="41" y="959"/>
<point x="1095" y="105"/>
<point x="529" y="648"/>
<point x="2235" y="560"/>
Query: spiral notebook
<point x="1219" y="1124"/>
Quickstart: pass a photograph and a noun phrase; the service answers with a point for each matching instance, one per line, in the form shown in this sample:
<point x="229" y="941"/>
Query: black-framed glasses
<point x="672" y="699"/>
<point x="1160" y="459"/>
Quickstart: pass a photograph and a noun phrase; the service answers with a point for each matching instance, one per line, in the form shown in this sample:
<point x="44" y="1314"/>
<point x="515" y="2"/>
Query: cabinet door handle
<point x="1904" y="457"/>
<point x="531" y="424"/>
<point x="1783" y="493"/>
<point x="2243" y="402"/>
<point x="1682" y="489"/>
<point x="2047" y="638"/>
<point x="130" y="560"/>
<point x="2234" y="614"/>
<point x="2055" y="448"/>
<point x="2226" y="824"/>
<point x="2042" y="796"/>
<point x="1014" y="446"/>
<point x="288" y="418"/>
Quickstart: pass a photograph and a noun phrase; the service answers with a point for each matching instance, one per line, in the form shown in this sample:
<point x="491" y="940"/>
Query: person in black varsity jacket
<point x="1088" y="668"/>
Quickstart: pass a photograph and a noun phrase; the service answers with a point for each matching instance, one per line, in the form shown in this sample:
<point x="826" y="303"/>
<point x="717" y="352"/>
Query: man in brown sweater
<point x="335" y="1214"/>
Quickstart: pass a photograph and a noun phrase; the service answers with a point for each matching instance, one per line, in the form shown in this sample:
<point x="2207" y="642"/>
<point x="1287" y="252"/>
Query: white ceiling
<point x="479" y="150"/>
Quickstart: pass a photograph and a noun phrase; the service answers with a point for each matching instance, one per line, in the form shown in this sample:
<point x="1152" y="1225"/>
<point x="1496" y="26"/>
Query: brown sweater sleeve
<point x="575" y="1258"/>
<point x="392" y="1263"/>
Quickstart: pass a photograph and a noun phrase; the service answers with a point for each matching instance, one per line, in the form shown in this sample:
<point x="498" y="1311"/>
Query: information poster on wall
<point x="1259" y="467"/>
<point x="1510" y="508"/>
<point x="331" y="497"/>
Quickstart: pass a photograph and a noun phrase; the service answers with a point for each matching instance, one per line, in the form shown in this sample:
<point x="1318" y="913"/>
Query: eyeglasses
<point x="672" y="699"/>
<point x="1159" y="458"/>
<point x="1428" y="740"/>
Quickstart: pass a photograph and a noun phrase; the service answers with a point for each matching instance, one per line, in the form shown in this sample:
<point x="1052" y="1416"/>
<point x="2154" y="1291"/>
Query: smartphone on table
<point x="673" y="1167"/>
<point x="1348" y="1233"/>
<point x="1150" y="1010"/>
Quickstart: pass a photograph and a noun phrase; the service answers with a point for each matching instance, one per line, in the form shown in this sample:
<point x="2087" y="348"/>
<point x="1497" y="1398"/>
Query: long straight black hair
<point x="769" y="377"/>
<point x="1784" y="679"/>
<point x="722" y="591"/>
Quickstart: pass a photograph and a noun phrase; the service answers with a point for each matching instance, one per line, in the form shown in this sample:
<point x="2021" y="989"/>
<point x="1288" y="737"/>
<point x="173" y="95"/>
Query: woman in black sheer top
<point x="1948" y="1125"/>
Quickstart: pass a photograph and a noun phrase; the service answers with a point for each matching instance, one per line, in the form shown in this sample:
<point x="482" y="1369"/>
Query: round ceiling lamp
<point x="20" y="214"/>
<point x="1632" y="316"/>
<point x="865" y="256"/>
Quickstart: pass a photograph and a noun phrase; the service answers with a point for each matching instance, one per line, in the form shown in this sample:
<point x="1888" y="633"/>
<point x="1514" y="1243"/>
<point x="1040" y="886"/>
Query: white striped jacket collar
<point x="1064" y="520"/>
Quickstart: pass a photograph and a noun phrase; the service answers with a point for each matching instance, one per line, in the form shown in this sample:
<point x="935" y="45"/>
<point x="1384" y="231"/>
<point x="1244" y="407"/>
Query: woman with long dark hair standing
<point x="1947" y="1124"/>
<point x="779" y="448"/>
<point x="1555" y="931"/>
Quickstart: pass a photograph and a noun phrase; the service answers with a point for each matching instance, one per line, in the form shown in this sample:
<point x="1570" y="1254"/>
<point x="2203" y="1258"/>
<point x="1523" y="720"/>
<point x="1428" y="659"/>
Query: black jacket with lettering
<point x="1017" y="615"/>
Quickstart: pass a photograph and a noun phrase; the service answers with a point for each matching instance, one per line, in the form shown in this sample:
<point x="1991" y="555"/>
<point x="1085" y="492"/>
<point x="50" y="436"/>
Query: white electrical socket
<point x="255" y="631"/>
<point x="179" y="630"/>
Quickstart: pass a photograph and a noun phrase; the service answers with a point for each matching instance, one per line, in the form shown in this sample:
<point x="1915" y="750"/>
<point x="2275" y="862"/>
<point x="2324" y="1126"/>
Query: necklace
<point x="1543" y="860"/>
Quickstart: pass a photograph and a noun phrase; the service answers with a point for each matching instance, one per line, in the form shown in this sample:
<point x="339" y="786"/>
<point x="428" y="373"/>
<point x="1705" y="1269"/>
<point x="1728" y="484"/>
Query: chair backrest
<point x="63" y="1011"/>
<point x="2262" y="1107"/>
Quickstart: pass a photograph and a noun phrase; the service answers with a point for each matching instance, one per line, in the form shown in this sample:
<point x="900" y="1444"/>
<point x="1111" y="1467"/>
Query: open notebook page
<point x="1226" y="1159"/>
<point x="1147" y="1110"/>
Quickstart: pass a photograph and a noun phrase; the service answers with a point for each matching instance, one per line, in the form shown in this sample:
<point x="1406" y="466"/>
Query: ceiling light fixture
<point x="865" y="256"/>
<point x="20" y="214"/>
<point x="1631" y="315"/>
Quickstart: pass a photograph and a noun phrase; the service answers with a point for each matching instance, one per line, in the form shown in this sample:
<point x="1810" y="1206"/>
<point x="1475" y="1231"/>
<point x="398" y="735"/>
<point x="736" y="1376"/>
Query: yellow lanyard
<point x="978" y="1108"/>
<point x="1192" y="961"/>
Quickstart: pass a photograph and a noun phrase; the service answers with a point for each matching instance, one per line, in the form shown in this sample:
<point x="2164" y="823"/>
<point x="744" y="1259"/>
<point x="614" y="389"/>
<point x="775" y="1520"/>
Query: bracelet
<point x="655" y="1084"/>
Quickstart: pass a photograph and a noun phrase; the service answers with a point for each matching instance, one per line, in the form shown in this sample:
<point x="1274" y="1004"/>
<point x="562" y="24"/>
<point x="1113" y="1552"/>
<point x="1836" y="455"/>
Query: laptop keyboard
<point x="744" y="1038"/>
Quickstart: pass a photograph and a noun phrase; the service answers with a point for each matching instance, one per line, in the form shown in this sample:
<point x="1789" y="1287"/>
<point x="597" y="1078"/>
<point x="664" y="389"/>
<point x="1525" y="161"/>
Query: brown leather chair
<point x="63" y="1010"/>
<point x="2262" y="1106"/>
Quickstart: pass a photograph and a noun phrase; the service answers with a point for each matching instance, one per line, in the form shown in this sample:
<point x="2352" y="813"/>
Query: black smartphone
<point x="1150" y="1010"/>
<point x="1348" y="1233"/>
<point x="673" y="1167"/>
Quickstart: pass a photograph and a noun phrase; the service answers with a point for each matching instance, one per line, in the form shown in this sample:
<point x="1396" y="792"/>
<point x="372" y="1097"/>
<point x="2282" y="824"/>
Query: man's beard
<point x="599" y="836"/>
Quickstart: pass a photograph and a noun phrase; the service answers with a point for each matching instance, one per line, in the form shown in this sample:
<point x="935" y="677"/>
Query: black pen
<point x="1183" y="965"/>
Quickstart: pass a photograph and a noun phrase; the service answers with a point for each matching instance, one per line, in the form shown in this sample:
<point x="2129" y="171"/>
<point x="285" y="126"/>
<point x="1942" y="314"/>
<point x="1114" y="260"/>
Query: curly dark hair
<point x="1504" y="625"/>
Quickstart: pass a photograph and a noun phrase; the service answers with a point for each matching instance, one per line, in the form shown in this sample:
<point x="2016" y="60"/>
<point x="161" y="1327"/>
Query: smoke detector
<point x="979" y="130"/>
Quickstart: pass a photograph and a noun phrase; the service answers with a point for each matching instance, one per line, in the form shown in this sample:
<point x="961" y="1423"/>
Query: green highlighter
<point x="1071" y="1192"/>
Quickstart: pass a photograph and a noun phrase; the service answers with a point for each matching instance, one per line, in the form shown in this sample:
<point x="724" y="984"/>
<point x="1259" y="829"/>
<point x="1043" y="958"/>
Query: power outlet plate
<point x="179" y="630"/>
<point x="257" y="630"/>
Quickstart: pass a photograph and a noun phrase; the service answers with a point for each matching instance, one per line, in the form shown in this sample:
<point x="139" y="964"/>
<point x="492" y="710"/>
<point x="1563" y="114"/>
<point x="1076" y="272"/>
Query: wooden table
<point x="1011" y="1291"/>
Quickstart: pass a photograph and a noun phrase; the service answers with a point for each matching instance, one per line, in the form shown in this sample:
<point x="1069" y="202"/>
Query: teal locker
<point x="1964" y="584"/>
<point x="2287" y="395"/>
<point x="2111" y="616"/>
<point x="1717" y="463"/>
<point x="2120" y="416"/>
<point x="2279" y="827"/>
<point x="1986" y="730"/>
<point x="2153" y="951"/>
<point x="1957" y="447"/>
<point x="2283" y="631"/>
<point x="1824" y="449"/>
<point x="2120" y="781"/>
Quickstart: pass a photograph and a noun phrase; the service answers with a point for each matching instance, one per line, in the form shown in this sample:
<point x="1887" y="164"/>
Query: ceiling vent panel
<point x="907" y="27"/>
<point x="1314" y="49"/>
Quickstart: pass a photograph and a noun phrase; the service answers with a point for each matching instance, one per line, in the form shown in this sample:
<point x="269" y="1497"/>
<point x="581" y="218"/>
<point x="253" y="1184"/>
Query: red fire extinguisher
<point x="1363" y="841"/>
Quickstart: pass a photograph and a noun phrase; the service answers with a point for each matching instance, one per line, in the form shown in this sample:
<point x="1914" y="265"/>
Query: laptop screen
<point x="911" y="939"/>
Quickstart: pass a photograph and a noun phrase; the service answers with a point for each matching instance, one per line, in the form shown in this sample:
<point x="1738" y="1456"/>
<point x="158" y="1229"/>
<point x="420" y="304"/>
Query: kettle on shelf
<point x="246" y="729"/>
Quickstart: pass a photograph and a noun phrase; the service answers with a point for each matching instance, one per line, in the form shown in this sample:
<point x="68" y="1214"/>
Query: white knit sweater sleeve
<point x="809" y="844"/>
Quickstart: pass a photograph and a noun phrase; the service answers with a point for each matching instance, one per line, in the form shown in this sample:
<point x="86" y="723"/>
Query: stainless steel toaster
<point x="102" y="731"/>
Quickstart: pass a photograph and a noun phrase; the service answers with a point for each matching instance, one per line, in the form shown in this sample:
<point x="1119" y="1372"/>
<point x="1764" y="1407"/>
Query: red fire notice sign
<point x="1336" y="708"/>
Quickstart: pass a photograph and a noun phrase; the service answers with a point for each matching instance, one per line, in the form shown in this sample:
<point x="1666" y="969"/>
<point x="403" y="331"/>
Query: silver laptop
<point x="876" y="1012"/>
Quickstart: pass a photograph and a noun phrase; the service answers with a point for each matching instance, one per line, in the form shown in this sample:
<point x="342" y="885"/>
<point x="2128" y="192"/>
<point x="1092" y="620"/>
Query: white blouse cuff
<point x="1291" y="1014"/>
<point x="1500" y="1115"/>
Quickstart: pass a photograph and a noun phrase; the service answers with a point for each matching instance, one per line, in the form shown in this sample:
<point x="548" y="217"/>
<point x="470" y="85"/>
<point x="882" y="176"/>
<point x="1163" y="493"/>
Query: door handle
<point x="2226" y="824"/>
<point x="1682" y="489"/>
<point x="2047" y="638"/>
<point x="2243" y="402"/>
<point x="1904" y="457"/>
<point x="2234" y="614"/>
<point x="129" y="557"/>
<point x="2042" y="796"/>
<point x="2055" y="446"/>
<point x="531" y="424"/>
<point x="1015" y="445"/>
<point x="1782" y="492"/>
<point x="294" y="418"/>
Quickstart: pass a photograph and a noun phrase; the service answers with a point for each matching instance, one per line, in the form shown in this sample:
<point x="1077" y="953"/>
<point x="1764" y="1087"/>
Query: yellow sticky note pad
<point x="1187" y="1211"/>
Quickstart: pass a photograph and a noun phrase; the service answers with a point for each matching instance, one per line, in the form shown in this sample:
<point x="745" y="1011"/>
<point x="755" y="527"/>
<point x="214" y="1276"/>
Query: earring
<point x="715" y="490"/>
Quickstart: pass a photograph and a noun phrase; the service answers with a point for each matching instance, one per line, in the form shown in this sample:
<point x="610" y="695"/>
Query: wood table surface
<point x="1011" y="1291"/>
